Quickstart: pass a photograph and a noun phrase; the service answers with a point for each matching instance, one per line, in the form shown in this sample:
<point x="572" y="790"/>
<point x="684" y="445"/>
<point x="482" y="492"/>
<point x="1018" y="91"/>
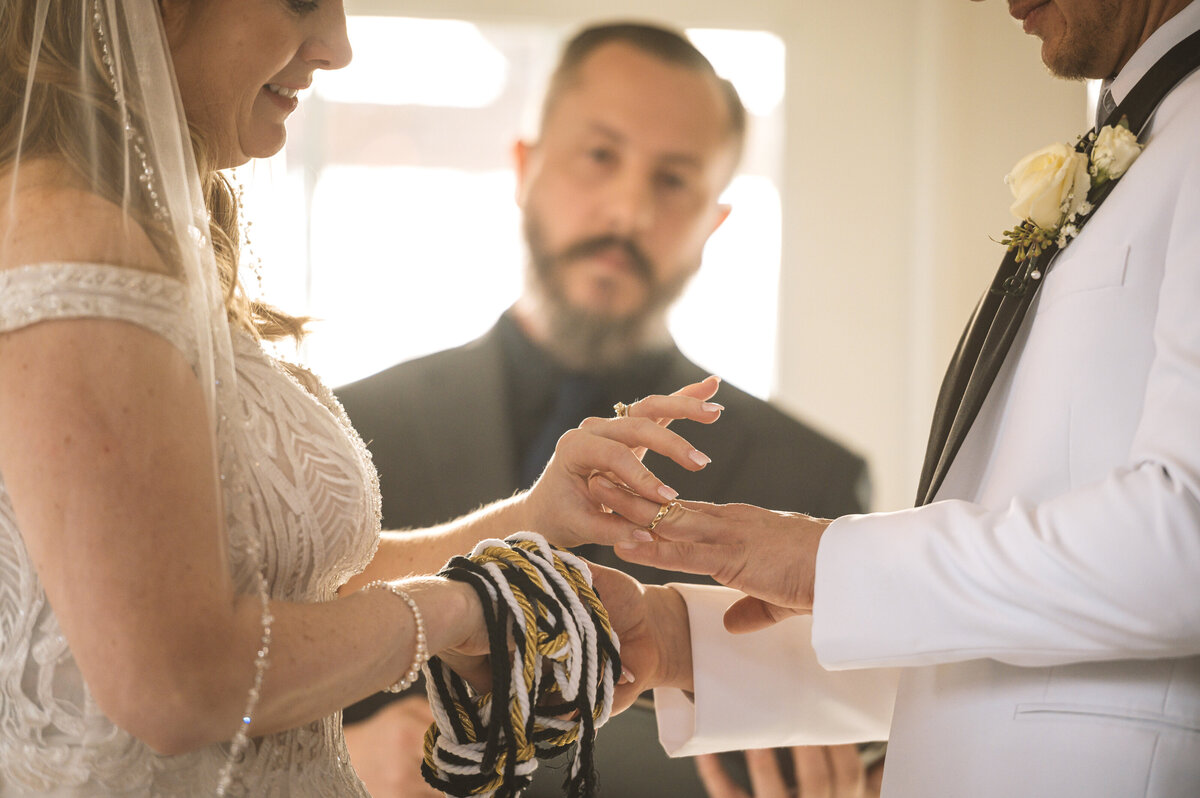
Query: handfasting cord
<point x="551" y="690"/>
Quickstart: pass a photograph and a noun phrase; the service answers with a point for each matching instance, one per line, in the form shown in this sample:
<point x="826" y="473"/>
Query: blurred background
<point x="865" y="213"/>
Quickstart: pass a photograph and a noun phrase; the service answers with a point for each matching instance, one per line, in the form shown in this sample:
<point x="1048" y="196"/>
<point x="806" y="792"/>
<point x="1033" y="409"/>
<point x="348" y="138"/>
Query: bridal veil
<point x="90" y="118"/>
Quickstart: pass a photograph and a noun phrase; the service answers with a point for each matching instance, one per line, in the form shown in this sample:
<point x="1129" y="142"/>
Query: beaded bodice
<point x="302" y="503"/>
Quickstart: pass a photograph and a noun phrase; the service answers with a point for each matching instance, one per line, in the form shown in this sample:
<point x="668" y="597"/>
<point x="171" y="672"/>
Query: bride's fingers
<point x="705" y="389"/>
<point x="676" y="520"/>
<point x="663" y="410"/>
<point x="609" y="529"/>
<point x="689" y="402"/>
<point x="582" y="455"/>
<point x="702" y="391"/>
<point x="586" y="443"/>
<point x="623" y="502"/>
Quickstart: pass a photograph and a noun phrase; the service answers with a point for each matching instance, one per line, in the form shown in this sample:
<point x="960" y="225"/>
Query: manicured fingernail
<point x="627" y="677"/>
<point x="670" y="494"/>
<point x="642" y="535"/>
<point x="712" y="407"/>
<point x="699" y="458"/>
<point x="604" y="483"/>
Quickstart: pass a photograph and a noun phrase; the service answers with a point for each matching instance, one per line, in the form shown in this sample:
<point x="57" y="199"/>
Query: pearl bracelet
<point x="421" y="656"/>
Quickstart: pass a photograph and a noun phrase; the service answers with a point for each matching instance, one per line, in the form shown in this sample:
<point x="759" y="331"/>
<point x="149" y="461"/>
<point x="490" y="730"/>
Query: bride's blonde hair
<point x="72" y="118"/>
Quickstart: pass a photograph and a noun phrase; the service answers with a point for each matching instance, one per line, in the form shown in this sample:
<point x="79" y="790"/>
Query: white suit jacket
<point x="1036" y="630"/>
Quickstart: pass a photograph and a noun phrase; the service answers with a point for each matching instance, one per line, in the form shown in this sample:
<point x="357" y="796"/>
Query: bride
<point x="192" y="577"/>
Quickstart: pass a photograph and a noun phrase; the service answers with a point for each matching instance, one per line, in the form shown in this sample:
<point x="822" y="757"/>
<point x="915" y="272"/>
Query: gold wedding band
<point x="663" y="511"/>
<point x="621" y="409"/>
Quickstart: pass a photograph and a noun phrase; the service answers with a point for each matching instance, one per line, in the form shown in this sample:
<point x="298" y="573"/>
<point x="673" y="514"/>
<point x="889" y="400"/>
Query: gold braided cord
<point x="554" y="663"/>
<point x="509" y="556"/>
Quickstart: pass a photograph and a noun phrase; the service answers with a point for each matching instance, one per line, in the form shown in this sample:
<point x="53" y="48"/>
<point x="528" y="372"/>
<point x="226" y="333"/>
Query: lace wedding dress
<point x="302" y="502"/>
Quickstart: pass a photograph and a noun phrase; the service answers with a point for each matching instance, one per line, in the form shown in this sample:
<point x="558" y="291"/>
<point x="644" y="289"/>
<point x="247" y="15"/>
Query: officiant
<point x="619" y="192"/>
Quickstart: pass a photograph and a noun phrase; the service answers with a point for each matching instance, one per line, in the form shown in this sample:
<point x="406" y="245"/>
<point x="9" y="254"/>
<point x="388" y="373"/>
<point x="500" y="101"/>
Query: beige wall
<point x="893" y="200"/>
<point x="903" y="117"/>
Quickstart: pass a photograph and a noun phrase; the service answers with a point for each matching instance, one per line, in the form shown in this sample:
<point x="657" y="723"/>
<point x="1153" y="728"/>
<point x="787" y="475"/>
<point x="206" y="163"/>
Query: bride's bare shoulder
<point x="49" y="214"/>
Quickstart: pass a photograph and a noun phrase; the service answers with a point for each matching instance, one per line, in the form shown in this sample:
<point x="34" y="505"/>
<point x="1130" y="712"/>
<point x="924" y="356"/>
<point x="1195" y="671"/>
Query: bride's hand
<point x="559" y="505"/>
<point x="462" y="640"/>
<point x="650" y="622"/>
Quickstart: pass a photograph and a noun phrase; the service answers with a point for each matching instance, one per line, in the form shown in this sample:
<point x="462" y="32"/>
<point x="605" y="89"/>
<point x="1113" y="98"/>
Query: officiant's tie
<point x="998" y="316"/>
<point x="577" y="397"/>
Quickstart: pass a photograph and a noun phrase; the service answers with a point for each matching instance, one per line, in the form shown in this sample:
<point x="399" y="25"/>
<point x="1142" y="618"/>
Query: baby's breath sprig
<point x="1028" y="240"/>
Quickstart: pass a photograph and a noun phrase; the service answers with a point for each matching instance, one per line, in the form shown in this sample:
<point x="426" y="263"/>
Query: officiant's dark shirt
<point x="537" y="385"/>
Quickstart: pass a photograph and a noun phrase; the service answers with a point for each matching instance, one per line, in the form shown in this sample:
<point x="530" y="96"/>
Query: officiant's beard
<point x="585" y="339"/>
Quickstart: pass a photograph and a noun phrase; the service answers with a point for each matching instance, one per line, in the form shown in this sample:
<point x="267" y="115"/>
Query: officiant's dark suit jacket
<point x="439" y="431"/>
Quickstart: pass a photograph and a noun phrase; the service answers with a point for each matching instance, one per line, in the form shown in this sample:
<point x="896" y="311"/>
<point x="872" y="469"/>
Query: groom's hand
<point x="651" y="623"/>
<point x="770" y="556"/>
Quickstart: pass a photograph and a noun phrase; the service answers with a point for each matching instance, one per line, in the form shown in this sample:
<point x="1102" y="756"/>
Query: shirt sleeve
<point x="766" y="689"/>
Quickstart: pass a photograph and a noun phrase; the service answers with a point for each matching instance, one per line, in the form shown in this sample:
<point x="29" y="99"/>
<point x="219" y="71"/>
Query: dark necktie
<point x="576" y="399"/>
<point x="1105" y="105"/>
<point x="998" y="316"/>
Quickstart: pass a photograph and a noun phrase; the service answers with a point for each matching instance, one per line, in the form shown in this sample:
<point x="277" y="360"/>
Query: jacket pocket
<point x="1089" y="272"/>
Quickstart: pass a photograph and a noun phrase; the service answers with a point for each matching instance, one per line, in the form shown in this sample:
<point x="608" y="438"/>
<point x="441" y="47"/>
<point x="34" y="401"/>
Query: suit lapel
<point x="973" y="369"/>
<point x="474" y="401"/>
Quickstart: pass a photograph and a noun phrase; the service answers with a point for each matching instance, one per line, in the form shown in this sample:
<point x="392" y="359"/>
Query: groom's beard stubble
<point x="591" y="341"/>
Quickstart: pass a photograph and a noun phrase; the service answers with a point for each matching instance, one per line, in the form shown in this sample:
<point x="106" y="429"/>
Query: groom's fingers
<point x="692" y="558"/>
<point x="750" y="614"/>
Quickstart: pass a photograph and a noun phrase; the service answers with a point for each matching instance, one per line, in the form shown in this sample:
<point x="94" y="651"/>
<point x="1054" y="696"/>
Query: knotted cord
<point x="553" y="686"/>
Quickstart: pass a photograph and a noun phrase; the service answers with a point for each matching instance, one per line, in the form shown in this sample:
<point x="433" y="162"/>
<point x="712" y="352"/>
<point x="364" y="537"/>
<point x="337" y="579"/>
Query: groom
<point x="1033" y="628"/>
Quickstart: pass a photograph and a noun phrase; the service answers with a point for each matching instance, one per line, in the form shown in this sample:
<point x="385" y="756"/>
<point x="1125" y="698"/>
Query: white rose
<point x="1115" y="149"/>
<point x="1050" y="185"/>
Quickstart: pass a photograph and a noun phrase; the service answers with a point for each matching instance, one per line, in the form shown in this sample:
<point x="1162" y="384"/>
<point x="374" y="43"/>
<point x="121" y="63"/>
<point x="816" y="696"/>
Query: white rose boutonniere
<point x="1050" y="185"/>
<point x="1051" y="188"/>
<point x="1114" y="150"/>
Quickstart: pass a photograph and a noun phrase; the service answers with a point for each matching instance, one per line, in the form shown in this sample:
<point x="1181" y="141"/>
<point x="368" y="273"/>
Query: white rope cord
<point x="554" y="662"/>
